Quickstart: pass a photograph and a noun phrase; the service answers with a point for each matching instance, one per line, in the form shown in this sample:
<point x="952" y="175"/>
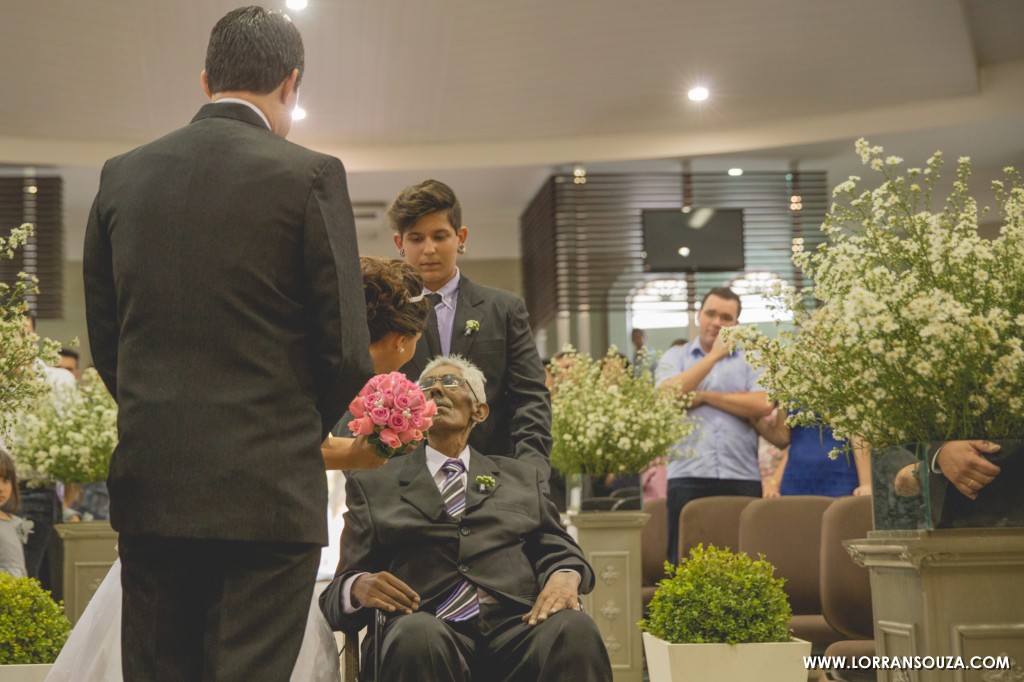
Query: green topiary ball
<point x="33" y="628"/>
<point x="716" y="596"/>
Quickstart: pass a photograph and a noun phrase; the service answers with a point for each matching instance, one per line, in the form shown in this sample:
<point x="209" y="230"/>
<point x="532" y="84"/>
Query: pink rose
<point x="405" y="436"/>
<point x="356" y="407"/>
<point x="417" y="435"/>
<point x="415" y="399"/>
<point x="390" y="438"/>
<point x="416" y="419"/>
<point x="380" y="415"/>
<point x="429" y="410"/>
<point x="387" y="399"/>
<point x="403" y="401"/>
<point x="398" y="422"/>
<point x="361" y="427"/>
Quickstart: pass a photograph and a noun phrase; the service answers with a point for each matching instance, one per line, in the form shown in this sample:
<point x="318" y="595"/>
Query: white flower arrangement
<point x="917" y="335"/>
<point x="69" y="436"/>
<point x="472" y="327"/>
<point x="20" y="379"/>
<point x="606" y="419"/>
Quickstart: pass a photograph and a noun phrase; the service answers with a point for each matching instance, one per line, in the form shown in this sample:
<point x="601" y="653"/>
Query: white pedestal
<point x="611" y="542"/>
<point x="946" y="593"/>
<point x="90" y="549"/>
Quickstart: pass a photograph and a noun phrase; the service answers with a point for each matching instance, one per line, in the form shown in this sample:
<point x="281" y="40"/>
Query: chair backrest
<point x="711" y="521"/>
<point x="845" y="587"/>
<point x="654" y="542"/>
<point x="787" y="531"/>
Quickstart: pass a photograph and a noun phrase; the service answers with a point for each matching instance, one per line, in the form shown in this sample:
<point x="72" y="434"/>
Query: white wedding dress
<point x="93" y="651"/>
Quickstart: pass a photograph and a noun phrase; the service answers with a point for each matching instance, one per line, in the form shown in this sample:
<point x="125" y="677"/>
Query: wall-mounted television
<point x="699" y="240"/>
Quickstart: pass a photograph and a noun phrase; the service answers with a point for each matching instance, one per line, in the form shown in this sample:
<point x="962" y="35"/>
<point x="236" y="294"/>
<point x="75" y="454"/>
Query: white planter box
<point x="771" y="662"/>
<point x="25" y="673"/>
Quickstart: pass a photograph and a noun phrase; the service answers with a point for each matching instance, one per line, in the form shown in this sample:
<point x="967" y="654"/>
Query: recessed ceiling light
<point x="684" y="251"/>
<point x="698" y="94"/>
<point x="735" y="172"/>
<point x="296" y="4"/>
<point x="298" y="113"/>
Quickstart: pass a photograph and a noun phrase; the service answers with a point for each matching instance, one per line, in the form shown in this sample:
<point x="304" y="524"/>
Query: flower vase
<point x="939" y="504"/>
<point x="594" y="492"/>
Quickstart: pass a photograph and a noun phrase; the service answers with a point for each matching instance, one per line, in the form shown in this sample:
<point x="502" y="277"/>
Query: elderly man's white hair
<point x="470" y="372"/>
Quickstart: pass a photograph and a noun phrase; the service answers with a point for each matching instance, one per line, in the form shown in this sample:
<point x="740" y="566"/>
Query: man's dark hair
<point x="69" y="353"/>
<point x="726" y="293"/>
<point x="253" y="49"/>
<point x="416" y="201"/>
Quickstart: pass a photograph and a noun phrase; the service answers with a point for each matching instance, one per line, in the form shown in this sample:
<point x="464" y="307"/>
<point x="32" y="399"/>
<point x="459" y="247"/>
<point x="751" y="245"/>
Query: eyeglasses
<point x="448" y="381"/>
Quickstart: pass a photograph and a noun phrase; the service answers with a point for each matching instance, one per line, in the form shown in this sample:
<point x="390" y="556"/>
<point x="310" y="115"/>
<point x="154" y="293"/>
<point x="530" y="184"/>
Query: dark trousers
<point x="682" y="490"/>
<point x="567" y="646"/>
<point x="42" y="507"/>
<point x="213" y="610"/>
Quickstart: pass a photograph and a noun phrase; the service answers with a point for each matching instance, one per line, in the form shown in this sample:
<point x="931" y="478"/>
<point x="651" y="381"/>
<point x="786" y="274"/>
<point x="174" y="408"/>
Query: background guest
<point x="14" y="530"/>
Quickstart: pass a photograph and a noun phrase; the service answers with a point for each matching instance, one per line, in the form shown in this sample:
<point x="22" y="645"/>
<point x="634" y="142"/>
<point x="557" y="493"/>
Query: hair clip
<point x="415" y="299"/>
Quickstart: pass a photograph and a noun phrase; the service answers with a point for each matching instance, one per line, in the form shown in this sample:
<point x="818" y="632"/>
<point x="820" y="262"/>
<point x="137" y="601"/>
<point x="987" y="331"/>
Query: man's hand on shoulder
<point x="384" y="591"/>
<point x="560" y="592"/>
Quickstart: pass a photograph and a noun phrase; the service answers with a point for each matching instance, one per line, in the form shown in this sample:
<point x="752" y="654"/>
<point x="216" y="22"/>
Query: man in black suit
<point x="467" y="557"/>
<point x="226" y="316"/>
<point x="489" y="326"/>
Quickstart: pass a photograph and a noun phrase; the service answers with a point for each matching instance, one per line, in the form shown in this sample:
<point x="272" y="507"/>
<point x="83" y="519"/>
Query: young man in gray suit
<point x="466" y="557"/>
<point x="489" y="326"/>
<point x="226" y="316"/>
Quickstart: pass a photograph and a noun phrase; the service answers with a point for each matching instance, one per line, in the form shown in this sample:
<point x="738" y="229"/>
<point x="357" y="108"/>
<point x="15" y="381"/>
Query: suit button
<point x="463" y="568"/>
<point x="465" y="531"/>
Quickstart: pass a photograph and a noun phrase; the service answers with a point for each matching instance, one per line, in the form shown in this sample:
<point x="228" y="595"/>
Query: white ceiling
<point x="490" y="95"/>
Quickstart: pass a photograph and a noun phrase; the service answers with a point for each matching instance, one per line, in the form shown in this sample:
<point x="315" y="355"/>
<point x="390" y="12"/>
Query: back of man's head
<point x="253" y="49"/>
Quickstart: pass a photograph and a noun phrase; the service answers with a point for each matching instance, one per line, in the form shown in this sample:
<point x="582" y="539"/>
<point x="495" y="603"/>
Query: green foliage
<point x="718" y="597"/>
<point x="33" y="628"/>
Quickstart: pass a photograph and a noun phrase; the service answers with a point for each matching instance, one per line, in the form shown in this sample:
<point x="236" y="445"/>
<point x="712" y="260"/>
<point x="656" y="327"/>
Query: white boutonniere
<point x="485" y="484"/>
<point x="472" y="327"/>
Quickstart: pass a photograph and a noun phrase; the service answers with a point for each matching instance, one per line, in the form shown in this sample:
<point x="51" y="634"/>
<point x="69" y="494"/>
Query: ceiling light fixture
<point x="698" y="94"/>
<point x="296" y="4"/>
<point x="298" y="113"/>
<point x="735" y="172"/>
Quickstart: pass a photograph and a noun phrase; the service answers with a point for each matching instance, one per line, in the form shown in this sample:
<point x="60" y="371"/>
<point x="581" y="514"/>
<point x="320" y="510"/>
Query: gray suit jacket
<point x="503" y="348"/>
<point x="226" y="316"/>
<point x="509" y="540"/>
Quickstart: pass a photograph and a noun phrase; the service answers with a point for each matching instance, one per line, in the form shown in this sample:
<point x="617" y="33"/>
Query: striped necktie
<point x="462" y="603"/>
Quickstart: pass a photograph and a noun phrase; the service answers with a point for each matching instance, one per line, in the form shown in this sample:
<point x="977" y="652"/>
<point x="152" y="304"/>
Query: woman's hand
<point x="347" y="454"/>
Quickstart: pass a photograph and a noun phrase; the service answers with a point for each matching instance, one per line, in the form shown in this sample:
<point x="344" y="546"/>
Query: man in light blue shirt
<point x="720" y="456"/>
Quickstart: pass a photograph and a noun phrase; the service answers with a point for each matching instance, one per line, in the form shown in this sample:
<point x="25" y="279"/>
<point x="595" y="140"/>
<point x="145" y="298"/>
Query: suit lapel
<point x="418" y="488"/>
<point x="465" y="310"/>
<point x="479" y="465"/>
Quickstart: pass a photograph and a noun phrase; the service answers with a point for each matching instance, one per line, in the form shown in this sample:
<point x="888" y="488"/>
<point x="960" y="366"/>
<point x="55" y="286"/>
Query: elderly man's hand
<point x="384" y="591"/>
<point x="560" y="592"/>
<point x="961" y="461"/>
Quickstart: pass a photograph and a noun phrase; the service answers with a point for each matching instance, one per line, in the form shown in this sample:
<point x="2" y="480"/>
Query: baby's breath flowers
<point x="20" y="349"/>
<point x="69" y="435"/>
<point x="913" y="330"/>
<point x="607" y="419"/>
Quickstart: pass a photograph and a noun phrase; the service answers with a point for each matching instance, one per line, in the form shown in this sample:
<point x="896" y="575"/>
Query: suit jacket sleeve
<point x="101" y="298"/>
<point x="528" y="398"/>
<point x="337" y="308"/>
<point x="357" y="556"/>
<point x="551" y="549"/>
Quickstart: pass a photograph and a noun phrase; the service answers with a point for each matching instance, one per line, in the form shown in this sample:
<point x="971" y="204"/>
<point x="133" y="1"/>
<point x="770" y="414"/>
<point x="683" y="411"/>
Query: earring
<point x="401" y="252"/>
<point x="462" y="248"/>
<point x="402" y="349"/>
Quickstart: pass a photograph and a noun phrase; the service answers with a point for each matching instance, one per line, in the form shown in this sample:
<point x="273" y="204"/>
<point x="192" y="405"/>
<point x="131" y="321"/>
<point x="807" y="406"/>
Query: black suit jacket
<point x="226" y="316"/>
<point x="509" y="540"/>
<point x="519" y="424"/>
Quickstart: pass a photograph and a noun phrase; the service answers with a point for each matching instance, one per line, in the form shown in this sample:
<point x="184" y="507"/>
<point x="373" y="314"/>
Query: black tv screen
<point x="700" y="240"/>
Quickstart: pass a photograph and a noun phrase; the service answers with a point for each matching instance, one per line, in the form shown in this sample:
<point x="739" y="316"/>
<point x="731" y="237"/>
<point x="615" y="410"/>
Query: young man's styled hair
<point x="416" y="201"/>
<point x="726" y="293"/>
<point x="253" y="49"/>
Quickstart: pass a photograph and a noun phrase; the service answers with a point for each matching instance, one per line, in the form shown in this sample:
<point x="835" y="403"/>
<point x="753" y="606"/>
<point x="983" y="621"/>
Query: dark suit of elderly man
<point x="466" y="556"/>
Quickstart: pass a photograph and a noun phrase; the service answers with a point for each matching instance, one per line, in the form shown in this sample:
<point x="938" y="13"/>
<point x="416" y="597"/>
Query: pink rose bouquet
<point x="392" y="412"/>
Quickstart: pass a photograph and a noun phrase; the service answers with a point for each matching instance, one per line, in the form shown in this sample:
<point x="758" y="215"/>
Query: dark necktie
<point x="462" y="603"/>
<point x="434" y="299"/>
